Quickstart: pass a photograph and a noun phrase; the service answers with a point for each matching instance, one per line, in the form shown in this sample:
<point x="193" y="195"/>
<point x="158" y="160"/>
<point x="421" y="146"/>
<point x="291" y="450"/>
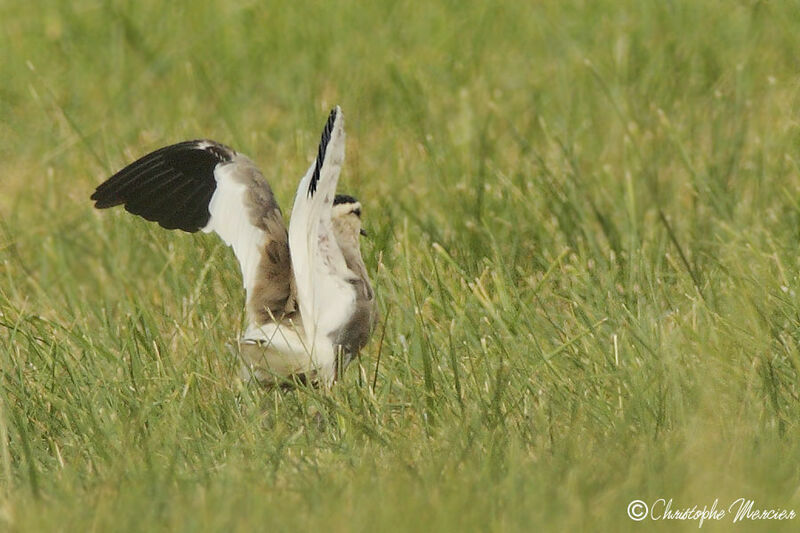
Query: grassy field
<point x="585" y="220"/>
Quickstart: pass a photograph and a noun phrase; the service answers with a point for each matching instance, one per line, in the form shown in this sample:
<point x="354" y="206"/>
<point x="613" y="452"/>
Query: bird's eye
<point x="356" y="212"/>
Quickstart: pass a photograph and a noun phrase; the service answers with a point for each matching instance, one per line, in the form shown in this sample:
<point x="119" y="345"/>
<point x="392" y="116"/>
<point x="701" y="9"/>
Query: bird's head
<point x="346" y="218"/>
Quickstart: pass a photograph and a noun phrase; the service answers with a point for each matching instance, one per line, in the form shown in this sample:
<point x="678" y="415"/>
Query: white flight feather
<point x="230" y="220"/>
<point x="325" y="295"/>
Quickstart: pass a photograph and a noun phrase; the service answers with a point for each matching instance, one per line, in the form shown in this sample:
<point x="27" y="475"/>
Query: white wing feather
<point x="230" y="220"/>
<point x="324" y="293"/>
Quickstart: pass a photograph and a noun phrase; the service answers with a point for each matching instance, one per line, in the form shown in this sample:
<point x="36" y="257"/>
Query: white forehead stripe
<point x="343" y="209"/>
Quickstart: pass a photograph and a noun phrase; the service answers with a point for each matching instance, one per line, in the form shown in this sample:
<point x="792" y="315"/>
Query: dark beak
<point x="364" y="233"/>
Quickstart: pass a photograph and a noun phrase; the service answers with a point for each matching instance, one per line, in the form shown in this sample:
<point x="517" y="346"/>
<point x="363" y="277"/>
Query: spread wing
<point x="325" y="293"/>
<point x="204" y="185"/>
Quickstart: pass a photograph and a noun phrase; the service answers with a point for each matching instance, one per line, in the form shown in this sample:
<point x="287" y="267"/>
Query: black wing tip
<point x="191" y="162"/>
<point x="103" y="200"/>
<point x="327" y="131"/>
<point x="105" y="203"/>
<point x="335" y="110"/>
<point x="97" y="199"/>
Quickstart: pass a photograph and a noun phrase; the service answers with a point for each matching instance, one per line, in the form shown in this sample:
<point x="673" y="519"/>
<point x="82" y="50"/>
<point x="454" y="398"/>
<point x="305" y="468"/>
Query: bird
<point x="310" y="305"/>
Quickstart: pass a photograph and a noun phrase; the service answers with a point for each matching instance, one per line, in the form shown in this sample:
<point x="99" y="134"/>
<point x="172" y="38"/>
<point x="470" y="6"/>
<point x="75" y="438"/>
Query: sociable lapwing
<point x="309" y="302"/>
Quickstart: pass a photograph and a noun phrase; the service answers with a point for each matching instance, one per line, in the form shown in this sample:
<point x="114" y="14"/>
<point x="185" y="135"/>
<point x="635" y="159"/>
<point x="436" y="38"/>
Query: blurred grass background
<point x="585" y="220"/>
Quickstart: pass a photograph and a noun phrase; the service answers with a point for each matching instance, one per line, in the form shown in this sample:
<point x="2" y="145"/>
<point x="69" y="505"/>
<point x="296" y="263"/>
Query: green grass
<point x="585" y="221"/>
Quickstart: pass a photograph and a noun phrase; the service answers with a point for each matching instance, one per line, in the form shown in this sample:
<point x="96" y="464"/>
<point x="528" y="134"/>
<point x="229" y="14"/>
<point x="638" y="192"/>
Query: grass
<point x="585" y="221"/>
